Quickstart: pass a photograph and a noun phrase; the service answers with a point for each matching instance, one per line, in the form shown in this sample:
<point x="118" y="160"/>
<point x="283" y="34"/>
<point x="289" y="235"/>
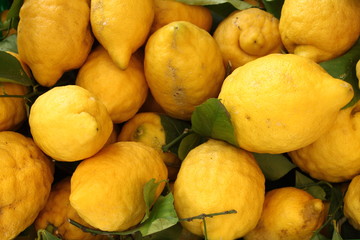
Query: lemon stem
<point x="186" y="132"/>
<point x="203" y="215"/>
<point x="100" y="232"/>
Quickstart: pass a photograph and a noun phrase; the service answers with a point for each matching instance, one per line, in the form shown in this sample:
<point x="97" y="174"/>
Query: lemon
<point x="277" y="106"/>
<point x="183" y="67"/>
<point x="25" y="182"/>
<point x="54" y="37"/>
<point x="289" y="214"/>
<point x="146" y="128"/>
<point x="320" y="31"/>
<point x="335" y="155"/>
<point x="121" y="27"/>
<point x="247" y="34"/>
<point x="167" y="11"/>
<point x="107" y="188"/>
<point x="58" y="211"/>
<point x="122" y="91"/>
<point x="216" y="177"/>
<point x="69" y="123"/>
<point x="352" y="203"/>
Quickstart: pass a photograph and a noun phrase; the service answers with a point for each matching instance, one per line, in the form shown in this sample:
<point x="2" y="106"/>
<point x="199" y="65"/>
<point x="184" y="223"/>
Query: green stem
<point x="186" y="132"/>
<point x="100" y="232"/>
<point x="205" y="230"/>
<point x="202" y="216"/>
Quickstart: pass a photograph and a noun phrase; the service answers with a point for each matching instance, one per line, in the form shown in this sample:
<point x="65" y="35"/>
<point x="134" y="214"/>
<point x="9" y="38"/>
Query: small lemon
<point x="146" y="127"/>
<point x="289" y="214"/>
<point x="167" y="11"/>
<point x="58" y="211"/>
<point x="352" y="202"/>
<point x="25" y="181"/>
<point x="69" y="123"/>
<point x="122" y="91"/>
<point x="335" y="155"/>
<point x="183" y="67"/>
<point x="54" y="37"/>
<point x="216" y="177"/>
<point x="107" y="188"/>
<point x="247" y="34"/>
<point x="121" y="27"/>
<point x="277" y="106"/>
<point x="320" y="31"/>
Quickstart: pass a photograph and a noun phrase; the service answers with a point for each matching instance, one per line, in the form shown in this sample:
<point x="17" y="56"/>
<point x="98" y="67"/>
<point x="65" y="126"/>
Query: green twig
<point x="186" y="132"/>
<point x="202" y="216"/>
<point x="100" y="232"/>
<point x="205" y="229"/>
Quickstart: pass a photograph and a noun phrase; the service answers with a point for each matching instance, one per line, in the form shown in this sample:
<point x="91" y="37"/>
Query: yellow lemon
<point x="289" y="214"/>
<point x="335" y="155"/>
<point x="247" y="34"/>
<point x="69" y="123"/>
<point x="277" y="106"/>
<point x="121" y="27"/>
<point x="357" y="69"/>
<point x="58" y="211"/>
<point x="167" y="11"/>
<point x="122" y="91"/>
<point x="107" y="189"/>
<point x="54" y="36"/>
<point x="146" y="128"/>
<point x="352" y="203"/>
<point x="320" y="31"/>
<point x="183" y="67"/>
<point x="216" y="177"/>
<point x="25" y="181"/>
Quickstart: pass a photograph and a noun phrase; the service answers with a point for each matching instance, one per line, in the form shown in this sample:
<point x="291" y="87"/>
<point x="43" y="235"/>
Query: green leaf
<point x="189" y="142"/>
<point x="162" y="216"/>
<point x="336" y="235"/>
<point x="343" y="68"/>
<point x="45" y="235"/>
<point x="274" y="166"/>
<point x="336" y="203"/>
<point x="318" y="236"/>
<point x="9" y="44"/>
<point x="238" y="4"/>
<point x="12" y="71"/>
<point x="173" y="129"/>
<point x="211" y="119"/>
<point x="308" y="185"/>
<point x="171" y="233"/>
<point x="149" y="193"/>
<point x="274" y="7"/>
<point x="13" y="13"/>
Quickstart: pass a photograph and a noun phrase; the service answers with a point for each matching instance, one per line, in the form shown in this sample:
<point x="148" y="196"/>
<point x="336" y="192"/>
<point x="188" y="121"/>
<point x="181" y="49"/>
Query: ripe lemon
<point x="122" y="91"/>
<point x="107" y="188"/>
<point x="69" y="123"/>
<point x="322" y="30"/>
<point x="277" y="106"/>
<point x="13" y="110"/>
<point x="289" y="214"/>
<point x="146" y="128"/>
<point x="167" y="11"/>
<point x="183" y="67"/>
<point x="216" y="177"/>
<point x="247" y="34"/>
<point x="58" y="211"/>
<point x="352" y="203"/>
<point x="54" y="37"/>
<point x="335" y="155"/>
<point x="121" y="27"/>
<point x="25" y="180"/>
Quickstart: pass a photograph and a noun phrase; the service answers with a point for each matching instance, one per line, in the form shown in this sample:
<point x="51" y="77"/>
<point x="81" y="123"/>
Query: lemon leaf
<point x="273" y="166"/>
<point x="310" y="186"/>
<point x="238" y="4"/>
<point x="149" y="195"/>
<point x="189" y="142"/>
<point x="171" y="233"/>
<point x="343" y="68"/>
<point x="336" y="236"/>
<point x="274" y="7"/>
<point x="162" y="216"/>
<point x="13" y="13"/>
<point x="211" y="119"/>
<point x="12" y="71"/>
<point x="9" y="44"/>
<point x="45" y="235"/>
<point x="173" y="129"/>
<point x="318" y="236"/>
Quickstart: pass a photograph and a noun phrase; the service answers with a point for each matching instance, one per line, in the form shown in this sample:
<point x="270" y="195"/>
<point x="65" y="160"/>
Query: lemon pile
<point x="138" y="60"/>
